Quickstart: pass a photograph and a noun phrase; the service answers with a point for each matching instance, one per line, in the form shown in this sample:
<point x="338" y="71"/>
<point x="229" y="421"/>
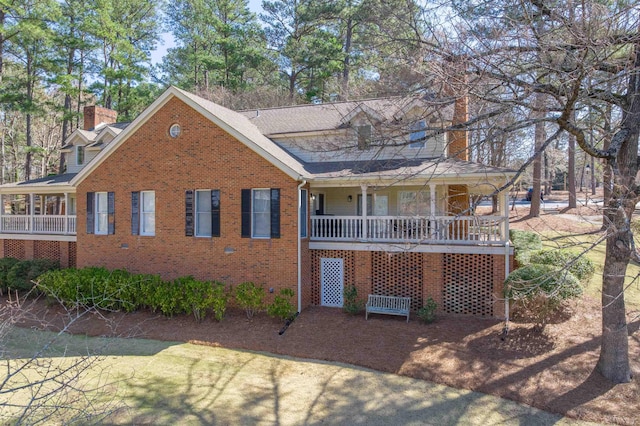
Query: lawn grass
<point x="148" y="382"/>
<point x="594" y="249"/>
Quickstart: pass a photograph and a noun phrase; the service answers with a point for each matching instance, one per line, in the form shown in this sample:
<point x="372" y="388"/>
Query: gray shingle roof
<point x="310" y="118"/>
<point x="402" y="168"/>
<point x="53" y="180"/>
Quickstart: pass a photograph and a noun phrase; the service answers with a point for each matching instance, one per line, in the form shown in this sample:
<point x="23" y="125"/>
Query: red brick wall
<point x="202" y="157"/>
<point x="361" y="267"/>
<point x="62" y="251"/>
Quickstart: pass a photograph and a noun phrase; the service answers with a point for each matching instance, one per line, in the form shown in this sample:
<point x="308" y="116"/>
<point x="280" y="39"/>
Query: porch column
<point x="432" y="210"/>
<point x="505" y="216"/>
<point x="32" y="210"/>
<point x="66" y="212"/>
<point x="364" y="211"/>
<point x="1" y="213"/>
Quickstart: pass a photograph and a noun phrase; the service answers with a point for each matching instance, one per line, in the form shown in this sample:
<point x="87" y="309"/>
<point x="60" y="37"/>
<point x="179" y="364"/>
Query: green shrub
<point x="220" y="300"/>
<point x="21" y="275"/>
<point x="6" y="263"/>
<point x="282" y="306"/>
<point x="427" y="313"/>
<point x="250" y="298"/>
<point x="351" y="303"/>
<point x="524" y="242"/>
<point x="540" y="290"/>
<point x="580" y="266"/>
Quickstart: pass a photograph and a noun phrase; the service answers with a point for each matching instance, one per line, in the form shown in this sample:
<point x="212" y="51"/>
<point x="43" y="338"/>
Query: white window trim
<point x="98" y="214"/>
<point x="253" y="214"/>
<point x="143" y="213"/>
<point x="196" y="212"/>
<point x="416" y="192"/>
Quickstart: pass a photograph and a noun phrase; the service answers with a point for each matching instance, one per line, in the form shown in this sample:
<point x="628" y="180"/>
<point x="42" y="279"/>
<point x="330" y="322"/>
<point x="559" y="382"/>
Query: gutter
<point x="303" y="183"/>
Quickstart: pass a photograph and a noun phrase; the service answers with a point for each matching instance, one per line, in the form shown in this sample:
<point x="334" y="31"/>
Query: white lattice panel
<point x="332" y="281"/>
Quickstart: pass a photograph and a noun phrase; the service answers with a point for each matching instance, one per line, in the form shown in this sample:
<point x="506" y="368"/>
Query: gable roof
<point x="237" y="125"/>
<point x="331" y="116"/>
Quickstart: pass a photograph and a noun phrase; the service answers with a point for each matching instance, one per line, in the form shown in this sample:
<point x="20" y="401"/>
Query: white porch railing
<point x="422" y="230"/>
<point x="46" y="224"/>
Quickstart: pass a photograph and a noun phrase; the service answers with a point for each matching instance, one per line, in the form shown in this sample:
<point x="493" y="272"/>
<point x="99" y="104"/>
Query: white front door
<point x="331" y="282"/>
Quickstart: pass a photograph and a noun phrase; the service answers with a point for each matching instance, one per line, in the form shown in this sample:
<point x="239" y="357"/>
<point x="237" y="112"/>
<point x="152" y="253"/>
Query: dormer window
<point x="364" y="136"/>
<point x="79" y="155"/>
<point x="418" y="134"/>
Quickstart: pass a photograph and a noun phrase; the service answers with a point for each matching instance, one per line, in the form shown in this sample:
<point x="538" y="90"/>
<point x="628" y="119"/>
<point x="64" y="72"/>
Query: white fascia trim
<point x="390" y="181"/>
<point x="38" y="237"/>
<point x="410" y="248"/>
<point x="44" y="190"/>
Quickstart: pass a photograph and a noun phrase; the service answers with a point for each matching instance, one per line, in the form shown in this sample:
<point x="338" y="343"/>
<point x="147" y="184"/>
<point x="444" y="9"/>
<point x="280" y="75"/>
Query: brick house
<point x="313" y="198"/>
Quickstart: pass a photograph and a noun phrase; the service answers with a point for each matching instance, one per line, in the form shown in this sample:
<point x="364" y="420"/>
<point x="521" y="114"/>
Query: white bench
<point x="390" y="305"/>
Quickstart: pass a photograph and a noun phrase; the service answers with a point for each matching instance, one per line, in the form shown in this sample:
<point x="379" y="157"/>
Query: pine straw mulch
<point x="552" y="370"/>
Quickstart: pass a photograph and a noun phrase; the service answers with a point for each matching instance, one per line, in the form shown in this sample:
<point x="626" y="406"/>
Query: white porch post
<point x="432" y="210"/>
<point x="364" y="211"/>
<point x="66" y="212"/>
<point x="1" y="212"/>
<point x="32" y="209"/>
<point x="505" y="215"/>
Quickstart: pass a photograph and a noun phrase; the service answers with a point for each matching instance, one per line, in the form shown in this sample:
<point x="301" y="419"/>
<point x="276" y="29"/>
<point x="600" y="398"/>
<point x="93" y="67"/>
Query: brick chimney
<point x="94" y="115"/>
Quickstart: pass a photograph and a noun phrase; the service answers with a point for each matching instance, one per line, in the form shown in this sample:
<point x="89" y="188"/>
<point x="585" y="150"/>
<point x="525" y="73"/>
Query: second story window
<point x="364" y="136"/>
<point x="418" y="134"/>
<point x="79" y="155"/>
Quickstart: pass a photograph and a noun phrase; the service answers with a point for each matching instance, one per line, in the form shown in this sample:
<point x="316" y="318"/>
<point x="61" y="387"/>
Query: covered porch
<point x="44" y="206"/>
<point x="402" y="214"/>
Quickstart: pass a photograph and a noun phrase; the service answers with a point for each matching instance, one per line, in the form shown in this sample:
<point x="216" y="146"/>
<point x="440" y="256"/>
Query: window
<point x="304" y="213"/>
<point x="206" y="211"/>
<point x="418" y="134"/>
<point x="148" y="214"/>
<point x="364" y="136"/>
<point x="143" y="213"/>
<point x="100" y="213"/>
<point x="79" y="155"/>
<point x="414" y="203"/>
<point x="260" y="213"/>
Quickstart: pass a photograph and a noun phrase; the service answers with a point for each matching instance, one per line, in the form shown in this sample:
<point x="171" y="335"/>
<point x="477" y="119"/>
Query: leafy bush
<point x="6" y="263"/>
<point x="21" y="274"/>
<point x="250" y="298"/>
<point x="540" y="290"/>
<point x="282" y="306"/>
<point x="524" y="242"/>
<point x="427" y="313"/>
<point x="351" y="303"/>
<point x="580" y="266"/>
<point x="220" y="300"/>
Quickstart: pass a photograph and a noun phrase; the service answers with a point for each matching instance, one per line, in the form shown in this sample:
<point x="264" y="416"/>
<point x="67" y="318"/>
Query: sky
<point x="167" y="39"/>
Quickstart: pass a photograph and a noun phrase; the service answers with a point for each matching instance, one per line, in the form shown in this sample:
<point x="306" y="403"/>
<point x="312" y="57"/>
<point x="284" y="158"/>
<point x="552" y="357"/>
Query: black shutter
<point x="188" y="215"/>
<point x="111" y="210"/>
<point x="135" y="213"/>
<point x="246" y="213"/>
<point x="275" y="213"/>
<point x="90" y="216"/>
<point x="215" y="213"/>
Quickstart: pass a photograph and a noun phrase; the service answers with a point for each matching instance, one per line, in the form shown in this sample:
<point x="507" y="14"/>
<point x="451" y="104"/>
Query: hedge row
<point x="19" y="274"/>
<point x="120" y="290"/>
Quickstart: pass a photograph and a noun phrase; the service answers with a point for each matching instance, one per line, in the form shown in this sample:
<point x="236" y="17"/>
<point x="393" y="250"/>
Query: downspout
<point x="507" y="249"/>
<point x="304" y="182"/>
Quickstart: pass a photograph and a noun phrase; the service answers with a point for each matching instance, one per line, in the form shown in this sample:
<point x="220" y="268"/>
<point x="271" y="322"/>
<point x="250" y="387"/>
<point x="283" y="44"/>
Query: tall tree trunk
<point x="571" y="169"/>
<point x="537" y="162"/>
<point x="614" y="352"/>
<point x="344" y="87"/>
